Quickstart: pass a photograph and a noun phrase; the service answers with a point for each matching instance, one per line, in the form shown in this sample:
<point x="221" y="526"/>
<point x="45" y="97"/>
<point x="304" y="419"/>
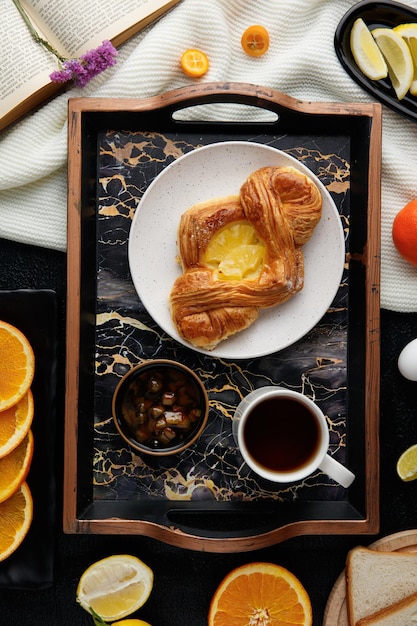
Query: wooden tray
<point x="207" y="499"/>
<point x="336" y="611"/>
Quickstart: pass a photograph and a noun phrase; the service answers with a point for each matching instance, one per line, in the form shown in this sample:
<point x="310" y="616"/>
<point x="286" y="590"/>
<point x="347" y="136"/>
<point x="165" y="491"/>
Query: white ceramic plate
<point x="219" y="170"/>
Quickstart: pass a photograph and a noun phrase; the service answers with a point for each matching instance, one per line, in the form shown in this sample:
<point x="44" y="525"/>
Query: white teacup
<point x="283" y="436"/>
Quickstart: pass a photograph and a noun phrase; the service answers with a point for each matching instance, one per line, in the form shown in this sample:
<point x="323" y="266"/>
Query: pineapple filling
<point x="235" y="253"/>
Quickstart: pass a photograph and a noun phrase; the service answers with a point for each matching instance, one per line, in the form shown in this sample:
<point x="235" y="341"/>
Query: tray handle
<point x="284" y="110"/>
<point x="219" y="522"/>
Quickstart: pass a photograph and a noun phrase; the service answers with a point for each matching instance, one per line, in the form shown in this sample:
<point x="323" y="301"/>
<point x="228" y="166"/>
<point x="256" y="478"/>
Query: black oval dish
<point x="375" y="15"/>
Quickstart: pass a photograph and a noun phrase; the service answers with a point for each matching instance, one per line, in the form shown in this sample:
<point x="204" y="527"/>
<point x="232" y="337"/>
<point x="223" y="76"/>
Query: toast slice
<point x="402" y="612"/>
<point x="376" y="580"/>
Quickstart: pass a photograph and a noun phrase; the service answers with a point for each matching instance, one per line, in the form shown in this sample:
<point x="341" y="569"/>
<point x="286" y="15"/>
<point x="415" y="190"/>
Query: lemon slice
<point x="235" y="252"/>
<point x="366" y="53"/>
<point x="409" y="33"/>
<point x="242" y="262"/>
<point x="115" y="586"/>
<point x="407" y="464"/>
<point x="398" y="58"/>
<point x="228" y="238"/>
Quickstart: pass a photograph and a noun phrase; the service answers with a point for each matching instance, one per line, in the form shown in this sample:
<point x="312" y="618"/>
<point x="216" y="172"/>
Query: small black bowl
<point x="160" y="407"/>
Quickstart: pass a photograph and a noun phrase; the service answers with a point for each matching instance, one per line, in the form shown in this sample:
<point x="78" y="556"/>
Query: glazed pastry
<point x="242" y="253"/>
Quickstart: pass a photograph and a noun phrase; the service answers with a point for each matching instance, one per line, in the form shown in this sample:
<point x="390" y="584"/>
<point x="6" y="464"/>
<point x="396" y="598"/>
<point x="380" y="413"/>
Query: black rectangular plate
<point x="34" y="313"/>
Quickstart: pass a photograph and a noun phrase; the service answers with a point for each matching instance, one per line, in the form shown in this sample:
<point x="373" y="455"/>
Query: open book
<point x="72" y="27"/>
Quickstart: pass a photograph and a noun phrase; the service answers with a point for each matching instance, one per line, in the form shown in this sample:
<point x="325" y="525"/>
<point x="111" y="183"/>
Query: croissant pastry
<point x="242" y="253"/>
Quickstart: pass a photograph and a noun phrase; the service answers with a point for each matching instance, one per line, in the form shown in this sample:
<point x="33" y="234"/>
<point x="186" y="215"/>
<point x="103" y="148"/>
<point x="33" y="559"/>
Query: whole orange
<point x="404" y="232"/>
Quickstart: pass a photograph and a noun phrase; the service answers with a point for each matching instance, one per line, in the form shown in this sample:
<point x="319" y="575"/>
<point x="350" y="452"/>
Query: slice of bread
<point x="376" y="580"/>
<point x="401" y="613"/>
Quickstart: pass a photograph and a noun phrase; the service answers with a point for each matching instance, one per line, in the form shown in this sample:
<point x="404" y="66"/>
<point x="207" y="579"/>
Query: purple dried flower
<point x="82" y="70"/>
<point x="79" y="72"/>
<point x="61" y="76"/>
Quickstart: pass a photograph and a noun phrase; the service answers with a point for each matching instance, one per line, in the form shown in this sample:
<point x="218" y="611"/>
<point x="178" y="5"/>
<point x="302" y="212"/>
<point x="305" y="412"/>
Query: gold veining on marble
<point x="104" y="318"/>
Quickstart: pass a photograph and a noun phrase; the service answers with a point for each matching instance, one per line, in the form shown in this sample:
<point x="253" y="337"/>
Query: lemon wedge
<point x="407" y="464"/>
<point x="409" y="33"/>
<point x="366" y="53"/>
<point x="115" y="586"/>
<point x="398" y="58"/>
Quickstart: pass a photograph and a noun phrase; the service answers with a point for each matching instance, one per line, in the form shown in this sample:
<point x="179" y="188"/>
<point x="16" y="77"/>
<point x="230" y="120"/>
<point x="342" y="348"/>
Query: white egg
<point x="407" y="361"/>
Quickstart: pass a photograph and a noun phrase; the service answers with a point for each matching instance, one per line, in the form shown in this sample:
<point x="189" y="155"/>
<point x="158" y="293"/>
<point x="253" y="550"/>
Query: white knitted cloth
<point x="301" y="62"/>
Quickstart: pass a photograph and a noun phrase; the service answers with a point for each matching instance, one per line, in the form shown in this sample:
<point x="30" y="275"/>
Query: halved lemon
<point x="409" y="33"/>
<point x="398" y="58"/>
<point x="115" y="586"/>
<point x="366" y="53"/>
<point x="407" y="464"/>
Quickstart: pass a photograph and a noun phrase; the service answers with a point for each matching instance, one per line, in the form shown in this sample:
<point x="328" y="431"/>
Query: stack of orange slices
<point x="17" y="367"/>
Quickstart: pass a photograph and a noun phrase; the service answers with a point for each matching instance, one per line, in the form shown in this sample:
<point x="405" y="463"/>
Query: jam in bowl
<point x="160" y="407"/>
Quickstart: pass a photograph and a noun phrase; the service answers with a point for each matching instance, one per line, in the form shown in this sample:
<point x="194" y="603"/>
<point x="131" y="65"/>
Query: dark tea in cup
<point x="281" y="434"/>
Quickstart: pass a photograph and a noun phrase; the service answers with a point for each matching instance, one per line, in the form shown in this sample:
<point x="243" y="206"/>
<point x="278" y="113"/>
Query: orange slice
<point x="255" y="40"/>
<point x="14" y="467"/>
<point x="17" y="365"/>
<point x="194" y="63"/>
<point x="16" y="515"/>
<point x="15" y="423"/>
<point x="260" y="593"/>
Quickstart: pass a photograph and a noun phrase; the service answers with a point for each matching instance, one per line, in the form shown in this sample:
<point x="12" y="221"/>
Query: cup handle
<point x="337" y="471"/>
